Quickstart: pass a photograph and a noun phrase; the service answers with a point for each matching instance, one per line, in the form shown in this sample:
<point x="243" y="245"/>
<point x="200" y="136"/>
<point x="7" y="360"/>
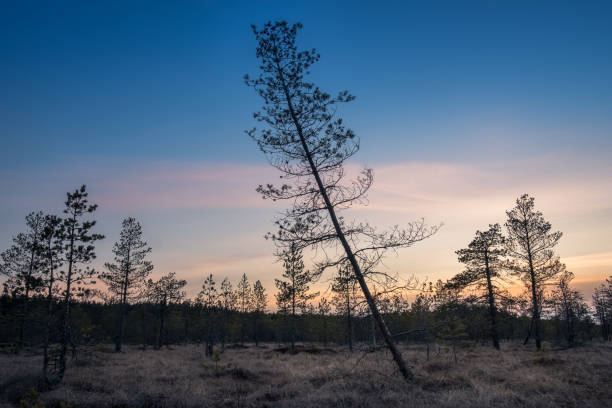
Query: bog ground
<point x="267" y="376"/>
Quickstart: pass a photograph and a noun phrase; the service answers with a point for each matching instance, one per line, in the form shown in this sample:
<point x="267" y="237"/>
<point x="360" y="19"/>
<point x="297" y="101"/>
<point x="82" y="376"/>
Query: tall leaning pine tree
<point x="309" y="145"/>
<point x="127" y="276"/>
<point x="530" y="244"/>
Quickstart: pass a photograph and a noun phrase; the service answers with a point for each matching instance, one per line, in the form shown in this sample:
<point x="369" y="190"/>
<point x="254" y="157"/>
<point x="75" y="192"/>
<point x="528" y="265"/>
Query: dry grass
<point x="263" y="377"/>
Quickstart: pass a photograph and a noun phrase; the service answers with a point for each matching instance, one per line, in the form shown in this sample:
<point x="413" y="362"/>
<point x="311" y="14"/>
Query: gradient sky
<point x="461" y="107"/>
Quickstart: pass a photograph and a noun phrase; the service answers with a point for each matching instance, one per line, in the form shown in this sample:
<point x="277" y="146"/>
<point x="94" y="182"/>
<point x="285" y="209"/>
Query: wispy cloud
<point x="466" y="196"/>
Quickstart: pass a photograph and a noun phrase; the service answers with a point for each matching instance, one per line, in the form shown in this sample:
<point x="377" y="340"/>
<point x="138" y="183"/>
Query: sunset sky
<point x="461" y="107"/>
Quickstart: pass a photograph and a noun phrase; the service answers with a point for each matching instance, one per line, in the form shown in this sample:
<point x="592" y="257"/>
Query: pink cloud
<point x="178" y="186"/>
<point x="465" y="196"/>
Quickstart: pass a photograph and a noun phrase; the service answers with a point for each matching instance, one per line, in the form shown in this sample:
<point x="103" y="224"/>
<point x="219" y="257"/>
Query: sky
<point x="461" y="107"/>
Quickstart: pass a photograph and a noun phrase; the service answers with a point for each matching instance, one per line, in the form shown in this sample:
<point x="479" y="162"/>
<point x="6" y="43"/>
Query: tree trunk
<point x="293" y="323"/>
<point x="492" y="309"/>
<point x="209" y="339"/>
<point x="534" y="295"/>
<point x="66" y="322"/>
<point x="24" y="314"/>
<point x="26" y="301"/>
<point x="121" y="328"/>
<point x="397" y="356"/>
<point x="48" y="380"/>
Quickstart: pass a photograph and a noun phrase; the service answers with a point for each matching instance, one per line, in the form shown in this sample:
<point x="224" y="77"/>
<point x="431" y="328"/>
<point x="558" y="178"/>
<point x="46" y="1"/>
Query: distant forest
<point x="36" y="299"/>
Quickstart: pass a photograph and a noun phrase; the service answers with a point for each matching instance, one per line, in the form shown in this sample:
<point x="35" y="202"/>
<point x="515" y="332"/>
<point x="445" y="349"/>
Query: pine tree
<point x="260" y="303"/>
<point x="602" y="302"/>
<point x="52" y="259"/>
<point x="568" y="303"/>
<point x="323" y="309"/>
<point x="293" y="292"/>
<point x="227" y="300"/>
<point x="22" y="264"/>
<point x="128" y="274"/>
<point x="309" y="145"/>
<point x="530" y="244"/>
<point x="208" y="298"/>
<point x="163" y="292"/>
<point x="483" y="260"/>
<point x="244" y="295"/>
<point x="79" y="250"/>
<point x="344" y="285"/>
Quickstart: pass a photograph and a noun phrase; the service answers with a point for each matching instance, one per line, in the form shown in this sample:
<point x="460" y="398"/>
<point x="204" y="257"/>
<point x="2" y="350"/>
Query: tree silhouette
<point x="602" y="302"/>
<point x="77" y="244"/>
<point x="22" y="263"/>
<point x="530" y="244"/>
<point x="483" y="263"/>
<point x="344" y="285"/>
<point x="569" y="303"/>
<point x="227" y="300"/>
<point x="292" y="292"/>
<point x="163" y="292"/>
<point x="52" y="259"/>
<point x="323" y="309"/>
<point x="309" y="145"/>
<point x="128" y="274"/>
<point x="208" y="298"/>
<point x="260" y="303"/>
<point x="244" y="296"/>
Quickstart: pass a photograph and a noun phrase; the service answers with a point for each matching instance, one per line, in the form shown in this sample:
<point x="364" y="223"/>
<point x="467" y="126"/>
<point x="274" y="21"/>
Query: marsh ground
<point x="263" y="376"/>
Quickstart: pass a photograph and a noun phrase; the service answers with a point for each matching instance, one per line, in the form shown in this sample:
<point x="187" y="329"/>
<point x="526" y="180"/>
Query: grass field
<point x="317" y="377"/>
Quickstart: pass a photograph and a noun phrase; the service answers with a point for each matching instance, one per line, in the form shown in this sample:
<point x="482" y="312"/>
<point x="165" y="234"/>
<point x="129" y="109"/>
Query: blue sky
<point x="99" y="92"/>
<point x="164" y="79"/>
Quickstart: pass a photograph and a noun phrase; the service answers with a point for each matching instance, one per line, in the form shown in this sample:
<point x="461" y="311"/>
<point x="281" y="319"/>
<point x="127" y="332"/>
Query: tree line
<point x="49" y="298"/>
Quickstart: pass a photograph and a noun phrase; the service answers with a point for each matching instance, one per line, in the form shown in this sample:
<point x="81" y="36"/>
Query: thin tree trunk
<point x="121" y="327"/>
<point x="26" y="302"/>
<point x="48" y="323"/>
<point x="123" y="306"/>
<point x="24" y="314"/>
<point x="397" y="356"/>
<point x="66" y="321"/>
<point x="293" y="323"/>
<point x="534" y="295"/>
<point x="569" y="323"/>
<point x="209" y="337"/>
<point x="492" y="309"/>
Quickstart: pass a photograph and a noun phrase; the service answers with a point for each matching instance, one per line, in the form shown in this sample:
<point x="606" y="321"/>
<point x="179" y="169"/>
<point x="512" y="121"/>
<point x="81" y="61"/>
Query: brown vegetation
<point x="266" y="376"/>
